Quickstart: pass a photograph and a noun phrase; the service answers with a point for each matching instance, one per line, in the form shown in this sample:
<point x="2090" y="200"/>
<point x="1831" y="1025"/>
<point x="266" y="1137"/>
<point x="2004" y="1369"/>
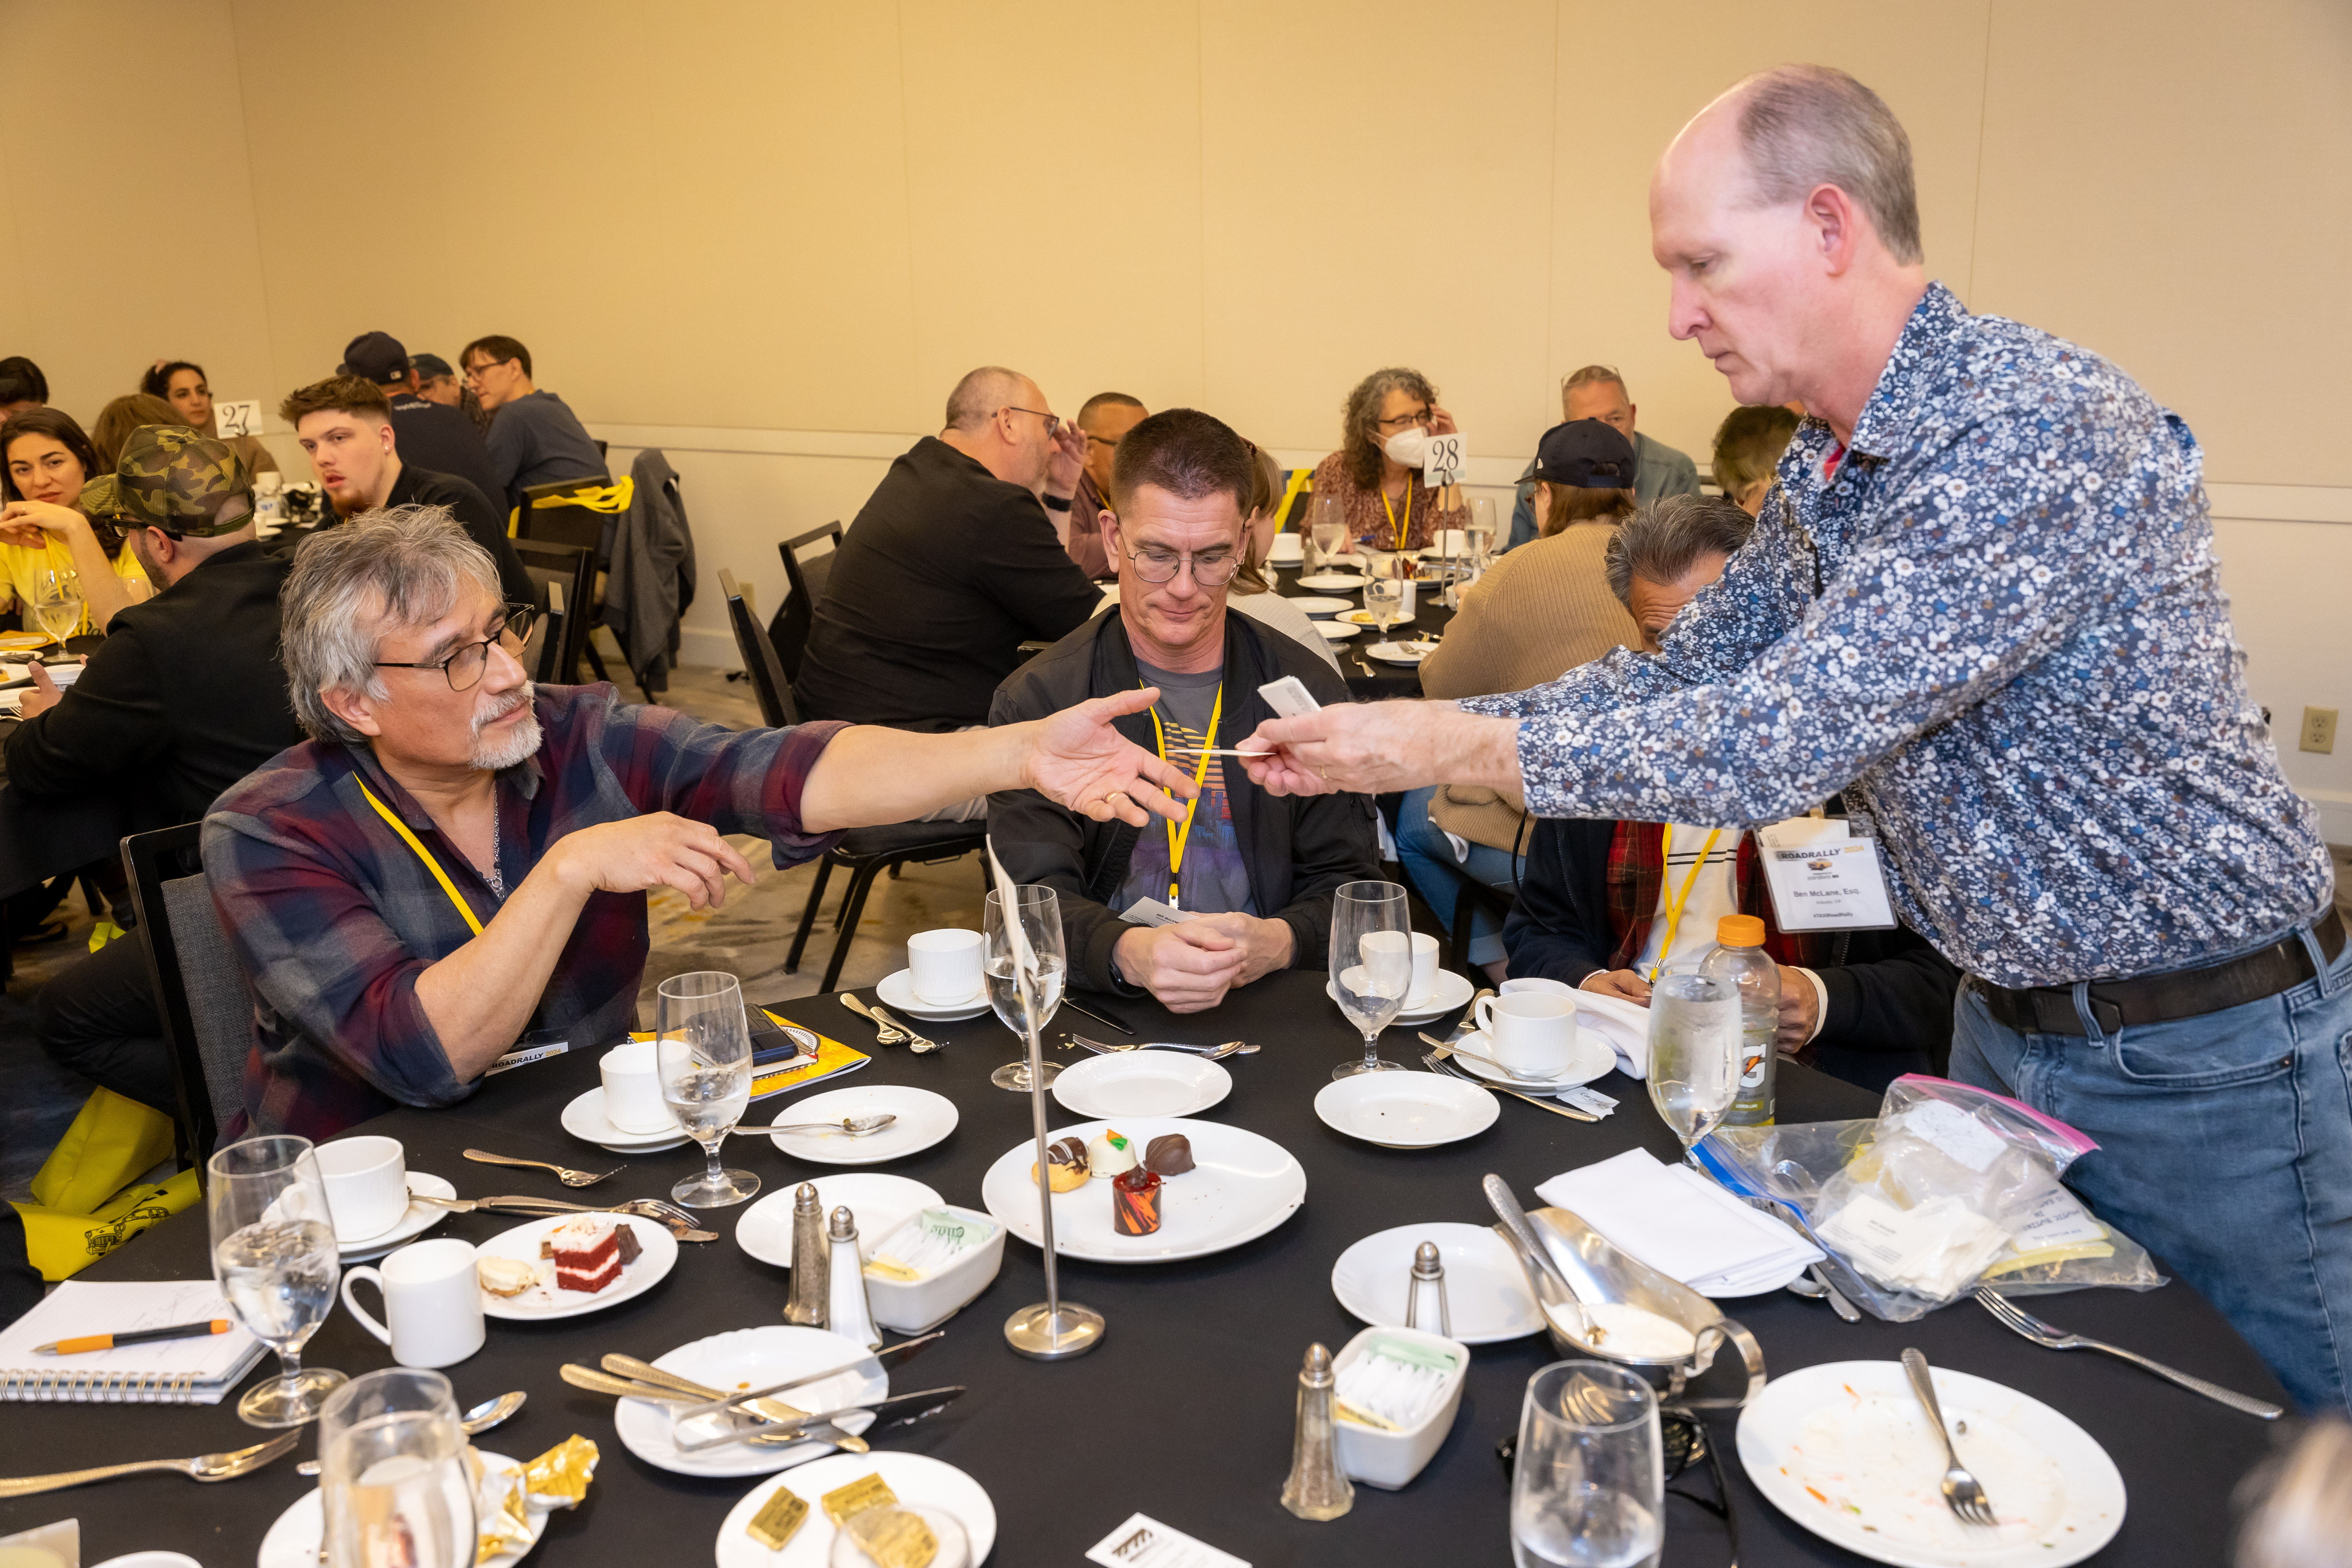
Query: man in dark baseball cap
<point x="1584" y="454"/>
<point x="431" y="436"/>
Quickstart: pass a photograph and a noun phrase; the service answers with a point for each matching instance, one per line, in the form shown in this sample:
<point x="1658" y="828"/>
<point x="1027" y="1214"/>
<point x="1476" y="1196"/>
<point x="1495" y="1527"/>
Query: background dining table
<point x="1370" y="678"/>
<point x="1185" y="1410"/>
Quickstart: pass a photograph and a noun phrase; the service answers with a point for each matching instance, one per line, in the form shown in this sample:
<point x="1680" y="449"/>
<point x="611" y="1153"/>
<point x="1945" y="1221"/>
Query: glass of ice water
<point x="1587" y="1485"/>
<point x="705" y="1045"/>
<point x="1694" y="1053"/>
<point x="1037" y="918"/>
<point x="274" y="1256"/>
<point x="393" y="1481"/>
<point x="1371" y="964"/>
<point x="56" y="602"/>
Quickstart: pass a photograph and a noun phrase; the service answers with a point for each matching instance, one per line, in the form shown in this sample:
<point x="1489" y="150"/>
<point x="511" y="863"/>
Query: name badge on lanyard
<point x="1824" y="876"/>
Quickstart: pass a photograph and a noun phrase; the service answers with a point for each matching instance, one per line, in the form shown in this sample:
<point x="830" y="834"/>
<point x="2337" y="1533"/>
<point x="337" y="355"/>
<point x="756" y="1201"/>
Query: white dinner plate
<point x="896" y="993"/>
<point x="293" y="1540"/>
<point x="543" y="1301"/>
<point x="1243" y="1185"/>
<point x="881" y="1204"/>
<point x="1315" y="606"/>
<point x="1364" y="618"/>
<point x="420" y="1218"/>
<point x="1486" y="1294"/>
<point x="1406" y="1110"/>
<point x="1447" y="995"/>
<point x="912" y="1477"/>
<point x="1334" y="632"/>
<point x="1845" y="1449"/>
<point x="1589" y="1060"/>
<point x="1141" y="1083"/>
<point x="924" y="1119"/>
<point x="584" y="1118"/>
<point x="1401" y="652"/>
<point x="746" y="1359"/>
<point x="1334" y="582"/>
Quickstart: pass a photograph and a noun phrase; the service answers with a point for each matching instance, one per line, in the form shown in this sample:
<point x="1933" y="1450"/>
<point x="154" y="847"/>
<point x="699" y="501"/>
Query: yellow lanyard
<point x="425" y="854"/>
<point x="1674" y="906"/>
<point x="1404" y="529"/>
<point x="1178" y="835"/>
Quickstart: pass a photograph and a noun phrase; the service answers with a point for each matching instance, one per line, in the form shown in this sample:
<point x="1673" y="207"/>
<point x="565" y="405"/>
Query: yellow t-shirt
<point x="18" y="565"/>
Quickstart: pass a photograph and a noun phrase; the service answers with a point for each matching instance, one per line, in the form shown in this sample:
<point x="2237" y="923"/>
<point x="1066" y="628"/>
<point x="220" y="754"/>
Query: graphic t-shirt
<point x="1213" y="881"/>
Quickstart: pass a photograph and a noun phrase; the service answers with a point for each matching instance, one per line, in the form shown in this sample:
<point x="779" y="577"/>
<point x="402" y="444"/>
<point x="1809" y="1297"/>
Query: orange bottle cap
<point x="1741" y="931"/>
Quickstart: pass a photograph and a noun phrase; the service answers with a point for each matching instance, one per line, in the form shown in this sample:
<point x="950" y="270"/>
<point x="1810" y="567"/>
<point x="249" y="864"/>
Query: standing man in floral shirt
<point x="1983" y="601"/>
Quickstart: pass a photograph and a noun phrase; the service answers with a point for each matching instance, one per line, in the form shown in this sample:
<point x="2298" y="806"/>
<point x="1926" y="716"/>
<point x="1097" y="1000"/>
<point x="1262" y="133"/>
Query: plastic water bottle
<point x="1740" y="959"/>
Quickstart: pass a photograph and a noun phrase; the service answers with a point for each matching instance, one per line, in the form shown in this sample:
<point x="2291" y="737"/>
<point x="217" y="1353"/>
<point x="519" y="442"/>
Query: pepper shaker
<point x="810" y="1296"/>
<point x="850" y="1315"/>
<point x="1424" y="1302"/>
<point x="1318" y="1488"/>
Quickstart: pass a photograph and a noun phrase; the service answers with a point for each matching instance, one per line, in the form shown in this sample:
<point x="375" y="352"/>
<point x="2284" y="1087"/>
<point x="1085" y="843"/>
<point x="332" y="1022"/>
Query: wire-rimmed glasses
<point x="275" y="1257"/>
<point x="1213" y="570"/>
<point x="1371" y="964"/>
<point x="464" y="667"/>
<point x="705" y="1045"/>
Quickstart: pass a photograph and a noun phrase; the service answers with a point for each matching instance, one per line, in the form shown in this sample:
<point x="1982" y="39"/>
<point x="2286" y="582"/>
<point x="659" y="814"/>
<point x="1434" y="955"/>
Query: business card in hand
<point x="1289" y="697"/>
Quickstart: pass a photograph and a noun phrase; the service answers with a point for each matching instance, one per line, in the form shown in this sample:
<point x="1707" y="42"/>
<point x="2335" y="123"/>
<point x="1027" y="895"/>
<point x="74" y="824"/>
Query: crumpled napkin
<point x="1682" y="1224"/>
<point x="1625" y="1025"/>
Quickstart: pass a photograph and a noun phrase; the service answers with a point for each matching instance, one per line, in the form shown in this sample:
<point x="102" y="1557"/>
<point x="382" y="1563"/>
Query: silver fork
<point x="1445" y="1068"/>
<point x="887" y="1030"/>
<point x="2051" y="1337"/>
<point x="1960" y="1488"/>
<point x="571" y="1178"/>
<point x="203" y="1467"/>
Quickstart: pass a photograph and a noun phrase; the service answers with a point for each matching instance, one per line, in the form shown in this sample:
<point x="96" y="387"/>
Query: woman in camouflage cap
<point x="47" y="468"/>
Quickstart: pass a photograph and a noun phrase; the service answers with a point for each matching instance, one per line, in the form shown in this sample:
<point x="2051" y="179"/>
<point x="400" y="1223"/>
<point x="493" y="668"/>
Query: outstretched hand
<point x="1383" y="747"/>
<point x="1077" y="759"/>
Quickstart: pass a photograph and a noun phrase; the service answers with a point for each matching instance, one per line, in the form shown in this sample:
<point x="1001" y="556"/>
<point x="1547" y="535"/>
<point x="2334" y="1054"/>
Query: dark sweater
<point x="1298" y="849"/>
<point x="438" y="438"/>
<point x="536" y="440"/>
<point x="184" y="697"/>
<point x="946" y="571"/>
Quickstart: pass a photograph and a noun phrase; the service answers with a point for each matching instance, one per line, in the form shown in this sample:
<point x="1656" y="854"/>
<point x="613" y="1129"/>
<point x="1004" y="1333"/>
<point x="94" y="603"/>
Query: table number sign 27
<point x="240" y="418"/>
<point x="1144" y="1543"/>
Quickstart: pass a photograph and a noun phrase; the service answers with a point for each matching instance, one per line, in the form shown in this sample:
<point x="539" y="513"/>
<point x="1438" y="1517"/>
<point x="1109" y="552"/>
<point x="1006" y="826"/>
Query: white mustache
<point x="519" y="698"/>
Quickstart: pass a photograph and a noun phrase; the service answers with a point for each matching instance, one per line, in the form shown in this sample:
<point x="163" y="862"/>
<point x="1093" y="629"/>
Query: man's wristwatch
<point x="1053" y="502"/>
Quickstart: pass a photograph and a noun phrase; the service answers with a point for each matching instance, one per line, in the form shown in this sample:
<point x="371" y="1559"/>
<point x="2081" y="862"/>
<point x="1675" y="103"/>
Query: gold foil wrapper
<point x="894" y="1538"/>
<point x="864" y="1492"/>
<point x="779" y="1518"/>
<point x="560" y="1478"/>
<point x="501" y="1510"/>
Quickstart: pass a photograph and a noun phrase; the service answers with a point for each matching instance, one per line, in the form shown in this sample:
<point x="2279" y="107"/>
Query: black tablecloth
<point x="1369" y="678"/>
<point x="1185" y="1410"/>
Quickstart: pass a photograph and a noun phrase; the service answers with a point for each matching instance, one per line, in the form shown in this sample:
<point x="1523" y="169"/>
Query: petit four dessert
<point x="867" y="1491"/>
<point x="779" y="1518"/>
<point x="1134" y="1202"/>
<point x="894" y="1537"/>
<point x="1169" y="1154"/>
<point x="505" y="1276"/>
<point x="1111" y="1155"/>
<point x="1065" y="1165"/>
<point x="591" y="1251"/>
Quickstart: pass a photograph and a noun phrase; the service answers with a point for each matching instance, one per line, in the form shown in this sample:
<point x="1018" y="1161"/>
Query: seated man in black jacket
<point x="184" y="697"/>
<point x="430" y="434"/>
<point x="1250" y="874"/>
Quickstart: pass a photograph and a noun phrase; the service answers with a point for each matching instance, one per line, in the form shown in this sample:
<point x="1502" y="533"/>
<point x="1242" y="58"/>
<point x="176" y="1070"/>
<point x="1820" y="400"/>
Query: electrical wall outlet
<point x="2318" y="729"/>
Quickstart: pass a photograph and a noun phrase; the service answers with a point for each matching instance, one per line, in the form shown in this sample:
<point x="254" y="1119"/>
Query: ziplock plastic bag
<point x="1948" y="1187"/>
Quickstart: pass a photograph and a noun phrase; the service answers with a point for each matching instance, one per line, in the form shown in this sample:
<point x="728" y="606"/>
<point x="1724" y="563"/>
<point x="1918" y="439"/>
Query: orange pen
<point x="133" y="1337"/>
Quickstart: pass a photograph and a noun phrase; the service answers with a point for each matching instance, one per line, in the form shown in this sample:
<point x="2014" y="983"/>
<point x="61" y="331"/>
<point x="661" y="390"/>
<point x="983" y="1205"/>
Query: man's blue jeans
<point x="2225" y="1148"/>
<point x="1427" y="856"/>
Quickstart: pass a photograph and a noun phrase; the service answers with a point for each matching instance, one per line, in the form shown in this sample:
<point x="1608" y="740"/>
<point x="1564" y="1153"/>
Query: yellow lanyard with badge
<point x="473" y="923"/>
<point x="1179" y="833"/>
<point x="1400" y="530"/>
<point x="1676" y="903"/>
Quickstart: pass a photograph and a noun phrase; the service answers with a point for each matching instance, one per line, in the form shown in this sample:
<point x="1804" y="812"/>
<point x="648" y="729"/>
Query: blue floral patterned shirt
<point x="1999" y="621"/>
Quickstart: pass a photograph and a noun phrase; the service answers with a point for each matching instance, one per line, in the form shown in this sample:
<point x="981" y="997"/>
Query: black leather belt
<point x="2160" y="998"/>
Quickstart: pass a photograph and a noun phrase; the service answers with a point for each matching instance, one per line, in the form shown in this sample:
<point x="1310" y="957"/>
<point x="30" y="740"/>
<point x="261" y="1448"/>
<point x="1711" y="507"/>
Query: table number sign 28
<point x="1444" y="461"/>
<point x="240" y="418"/>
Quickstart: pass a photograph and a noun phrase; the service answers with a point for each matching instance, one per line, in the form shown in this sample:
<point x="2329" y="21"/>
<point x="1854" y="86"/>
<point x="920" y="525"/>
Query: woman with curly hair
<point x="1376" y="473"/>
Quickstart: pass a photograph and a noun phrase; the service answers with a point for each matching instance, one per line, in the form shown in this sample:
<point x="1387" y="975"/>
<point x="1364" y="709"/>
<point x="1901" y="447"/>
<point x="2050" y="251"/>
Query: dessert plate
<point x="881" y="1204"/>
<point x="1334" y="632"/>
<point x="1486" y="1292"/>
<point x="1451" y="991"/>
<point x="1334" y="582"/>
<point x="924" y="1119"/>
<point x="584" y="1118"/>
<point x="914" y="1477"/>
<point x="1845" y="1449"/>
<point x="1315" y="606"/>
<point x="1243" y="1185"/>
<point x="420" y="1218"/>
<point x="1141" y="1083"/>
<point x="294" y="1540"/>
<point x="1401" y="652"/>
<point x="1590" y="1058"/>
<point x="756" y="1358"/>
<point x="1406" y="1110"/>
<point x="1364" y="618"/>
<point x="543" y="1301"/>
<point x="896" y="993"/>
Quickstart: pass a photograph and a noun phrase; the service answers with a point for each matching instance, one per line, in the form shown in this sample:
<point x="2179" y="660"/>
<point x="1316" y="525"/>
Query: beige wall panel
<point x="2167" y="185"/>
<point x="2286" y="582"/>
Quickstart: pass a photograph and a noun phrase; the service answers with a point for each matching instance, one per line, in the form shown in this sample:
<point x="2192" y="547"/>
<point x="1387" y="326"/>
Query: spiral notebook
<point x="162" y="1372"/>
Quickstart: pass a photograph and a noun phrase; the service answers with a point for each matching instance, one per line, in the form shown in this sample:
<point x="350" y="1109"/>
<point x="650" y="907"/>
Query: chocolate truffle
<point x="1134" y="1202"/>
<point x="1169" y="1154"/>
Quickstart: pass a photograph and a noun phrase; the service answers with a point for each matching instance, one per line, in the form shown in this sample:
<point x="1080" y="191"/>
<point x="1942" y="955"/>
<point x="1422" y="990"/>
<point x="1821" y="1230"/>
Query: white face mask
<point x="1409" y="447"/>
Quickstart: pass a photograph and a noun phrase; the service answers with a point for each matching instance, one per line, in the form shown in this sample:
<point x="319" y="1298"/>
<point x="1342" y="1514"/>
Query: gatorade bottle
<point x="1740" y="959"/>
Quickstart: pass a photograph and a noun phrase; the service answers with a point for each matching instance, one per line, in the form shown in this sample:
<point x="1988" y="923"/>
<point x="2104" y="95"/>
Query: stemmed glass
<point x="705" y="1044"/>
<point x="1037" y="915"/>
<point x="394" y="1485"/>
<point x="1482" y="532"/>
<point x="1694" y="1053"/>
<point x="1327" y="524"/>
<point x="1588" y="1480"/>
<point x="274" y="1256"/>
<point x="1371" y="964"/>
<point x="57" y="602"/>
<point x="1384" y="603"/>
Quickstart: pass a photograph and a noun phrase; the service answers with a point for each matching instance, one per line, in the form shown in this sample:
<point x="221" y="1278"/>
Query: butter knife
<point x="899" y="1410"/>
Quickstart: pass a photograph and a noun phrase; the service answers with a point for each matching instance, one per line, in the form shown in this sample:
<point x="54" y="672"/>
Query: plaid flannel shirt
<point x="1637" y="867"/>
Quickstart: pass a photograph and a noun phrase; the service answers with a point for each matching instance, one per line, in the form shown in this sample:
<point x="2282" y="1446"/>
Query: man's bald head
<point x="978" y="396"/>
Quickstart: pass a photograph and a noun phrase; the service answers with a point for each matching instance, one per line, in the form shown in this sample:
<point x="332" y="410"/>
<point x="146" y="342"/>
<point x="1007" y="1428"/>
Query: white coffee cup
<point x="1378" y="943"/>
<point x="633" y="1095"/>
<point x="1286" y="547"/>
<point x="1453" y="543"/>
<point x="1531" y="1033"/>
<point x="432" y="1302"/>
<point x="367" y="1185"/>
<point x="1536" y="983"/>
<point x="945" y="965"/>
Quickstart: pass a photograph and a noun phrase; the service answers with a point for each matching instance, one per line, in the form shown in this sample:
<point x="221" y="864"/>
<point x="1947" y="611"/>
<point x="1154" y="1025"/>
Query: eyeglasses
<point x="1211" y="571"/>
<point x="1053" y="421"/>
<point x="1424" y="417"/>
<point x="464" y="667"/>
<point x="474" y="372"/>
<point x="1110" y="441"/>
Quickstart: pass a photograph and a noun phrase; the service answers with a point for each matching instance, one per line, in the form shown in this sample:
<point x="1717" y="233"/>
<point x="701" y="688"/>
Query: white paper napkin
<point x="1681" y="1223"/>
<point x="1625" y="1025"/>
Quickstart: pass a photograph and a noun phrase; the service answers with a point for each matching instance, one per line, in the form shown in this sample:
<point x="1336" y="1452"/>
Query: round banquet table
<point x="1184" y="1411"/>
<point x="1371" y="678"/>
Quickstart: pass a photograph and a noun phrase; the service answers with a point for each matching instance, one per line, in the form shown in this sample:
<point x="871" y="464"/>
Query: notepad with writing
<point x="196" y="1370"/>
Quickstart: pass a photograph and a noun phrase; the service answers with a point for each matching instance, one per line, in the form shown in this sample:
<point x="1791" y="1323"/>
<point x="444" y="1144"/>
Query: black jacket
<point x="1890" y="993"/>
<point x="1297" y="849"/>
<point x="184" y="697"/>
<point x="945" y="572"/>
<point x="441" y="440"/>
<point x="483" y="526"/>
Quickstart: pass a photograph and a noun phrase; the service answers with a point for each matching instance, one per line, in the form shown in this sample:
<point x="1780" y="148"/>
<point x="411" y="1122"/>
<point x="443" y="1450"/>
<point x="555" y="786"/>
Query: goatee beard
<point x="517" y="741"/>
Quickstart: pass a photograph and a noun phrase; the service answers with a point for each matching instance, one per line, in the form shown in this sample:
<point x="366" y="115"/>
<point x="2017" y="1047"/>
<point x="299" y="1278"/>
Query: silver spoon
<point x="480" y="1420"/>
<point x="856" y="1126"/>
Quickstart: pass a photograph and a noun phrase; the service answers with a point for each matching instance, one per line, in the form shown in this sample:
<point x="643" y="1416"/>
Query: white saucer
<point x="1364" y="618"/>
<point x="585" y="1118"/>
<point x="1309" y="604"/>
<point x="293" y="1540"/>
<point x="1447" y="995"/>
<point x="1141" y="1083"/>
<point x="1406" y="1110"/>
<point x="913" y="1477"/>
<point x="1590" y="1058"/>
<point x="755" y="1357"/>
<point x="924" y="1119"/>
<point x="1335" y="582"/>
<point x="881" y="1204"/>
<point x="1485" y="1291"/>
<point x="1334" y="632"/>
<point x="896" y="993"/>
<point x="420" y="1218"/>
<point x="1401" y="652"/>
<point x="543" y="1301"/>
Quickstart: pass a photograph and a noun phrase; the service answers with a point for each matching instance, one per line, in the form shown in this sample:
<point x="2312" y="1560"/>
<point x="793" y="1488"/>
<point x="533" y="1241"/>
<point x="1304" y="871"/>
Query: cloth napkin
<point x="1682" y="1224"/>
<point x="1625" y="1025"/>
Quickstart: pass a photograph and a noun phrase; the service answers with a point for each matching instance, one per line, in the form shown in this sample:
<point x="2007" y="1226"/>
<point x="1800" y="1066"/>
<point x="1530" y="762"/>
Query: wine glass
<point x="392" y="1482"/>
<point x="1371" y="964"/>
<point x="1694" y="1053"/>
<point x="1588" y="1483"/>
<point x="1037" y="919"/>
<point x="1482" y="536"/>
<point x="705" y="1047"/>
<point x="57" y="602"/>
<point x="1327" y="522"/>
<point x="1384" y="603"/>
<point x="274" y="1256"/>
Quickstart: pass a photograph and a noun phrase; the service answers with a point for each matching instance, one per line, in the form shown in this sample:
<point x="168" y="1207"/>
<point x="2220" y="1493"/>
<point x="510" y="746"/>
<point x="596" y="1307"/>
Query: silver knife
<point x="1469" y="1016"/>
<point x="735" y="1402"/>
<point x="886" y="1415"/>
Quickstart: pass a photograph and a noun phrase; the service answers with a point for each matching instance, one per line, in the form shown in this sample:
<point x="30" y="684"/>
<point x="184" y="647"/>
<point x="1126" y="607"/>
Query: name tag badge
<point x="1824" y="877"/>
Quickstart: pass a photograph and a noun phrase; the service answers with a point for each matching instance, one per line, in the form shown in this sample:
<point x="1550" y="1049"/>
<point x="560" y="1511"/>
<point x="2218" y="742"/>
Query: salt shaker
<point x="851" y="1315"/>
<point x="1317" y="1487"/>
<point x="808" y="1298"/>
<point x="1424" y="1302"/>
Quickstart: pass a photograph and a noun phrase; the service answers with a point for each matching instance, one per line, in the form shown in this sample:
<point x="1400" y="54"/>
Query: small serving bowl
<point x="918" y="1306"/>
<point x="1390" y="1459"/>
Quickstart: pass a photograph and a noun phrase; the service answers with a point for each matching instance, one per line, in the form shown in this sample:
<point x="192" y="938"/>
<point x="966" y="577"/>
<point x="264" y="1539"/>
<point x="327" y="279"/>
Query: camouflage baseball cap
<point x="175" y="478"/>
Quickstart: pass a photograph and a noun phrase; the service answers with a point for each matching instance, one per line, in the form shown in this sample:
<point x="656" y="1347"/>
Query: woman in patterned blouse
<point x="1388" y="507"/>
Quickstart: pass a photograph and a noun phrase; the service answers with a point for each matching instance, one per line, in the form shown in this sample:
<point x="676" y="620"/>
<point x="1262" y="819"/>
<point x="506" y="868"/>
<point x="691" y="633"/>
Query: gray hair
<point x="1360" y="452"/>
<point x="1589" y="375"/>
<point x="1667" y="535"/>
<point x="383" y="570"/>
<point x="978" y="396"/>
<point x="1806" y="126"/>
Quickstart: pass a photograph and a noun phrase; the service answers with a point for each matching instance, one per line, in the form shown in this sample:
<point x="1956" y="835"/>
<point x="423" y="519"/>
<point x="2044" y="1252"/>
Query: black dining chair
<point x="565" y="575"/>
<point x="202" y="994"/>
<point x="806" y="568"/>
<point x="560" y="524"/>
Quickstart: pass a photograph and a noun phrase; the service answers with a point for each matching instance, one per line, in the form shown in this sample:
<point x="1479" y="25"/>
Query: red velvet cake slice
<point x="590" y="1252"/>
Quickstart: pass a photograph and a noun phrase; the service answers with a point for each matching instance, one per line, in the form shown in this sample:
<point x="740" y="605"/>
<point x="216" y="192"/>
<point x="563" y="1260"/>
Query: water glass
<point x="275" y="1257"/>
<point x="392" y="1482"/>
<point x="1035" y="924"/>
<point x="1694" y="1053"/>
<point x="1370" y="978"/>
<point x="1588" y="1483"/>
<point x="1384" y="603"/>
<point x="1326" y="523"/>
<point x="705" y="1043"/>
<point x="56" y="602"/>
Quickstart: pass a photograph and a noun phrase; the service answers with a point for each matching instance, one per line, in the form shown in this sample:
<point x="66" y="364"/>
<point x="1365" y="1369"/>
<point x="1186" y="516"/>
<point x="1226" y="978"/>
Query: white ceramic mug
<point x="367" y="1185"/>
<point x="1536" y="983"/>
<point x="1424" y="960"/>
<point x="945" y="965"/>
<point x="1453" y="543"/>
<point x="633" y="1094"/>
<point x="1531" y="1033"/>
<point x="432" y="1302"/>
